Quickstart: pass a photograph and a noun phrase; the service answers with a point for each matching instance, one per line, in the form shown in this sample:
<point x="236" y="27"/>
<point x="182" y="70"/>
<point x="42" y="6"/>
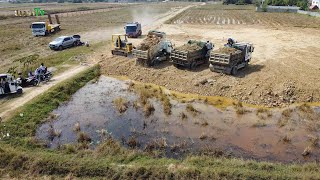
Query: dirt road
<point x="32" y="92"/>
<point x="9" y="105"/>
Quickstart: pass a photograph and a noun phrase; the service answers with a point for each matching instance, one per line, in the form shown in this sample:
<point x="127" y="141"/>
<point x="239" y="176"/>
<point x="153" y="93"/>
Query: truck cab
<point x="8" y="85"/>
<point x="38" y="28"/>
<point x="45" y="28"/>
<point x="246" y="48"/>
<point x="133" y="30"/>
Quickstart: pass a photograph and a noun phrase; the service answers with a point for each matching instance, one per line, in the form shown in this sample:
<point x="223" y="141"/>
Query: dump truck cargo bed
<point x="149" y="49"/>
<point x="228" y="60"/>
<point x="189" y="55"/>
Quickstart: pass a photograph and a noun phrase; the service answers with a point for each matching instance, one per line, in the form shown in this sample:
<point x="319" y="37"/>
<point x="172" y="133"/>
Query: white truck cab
<point x="247" y="48"/>
<point x="45" y="28"/>
<point x="8" y="85"/>
<point x="167" y="46"/>
<point x="38" y="28"/>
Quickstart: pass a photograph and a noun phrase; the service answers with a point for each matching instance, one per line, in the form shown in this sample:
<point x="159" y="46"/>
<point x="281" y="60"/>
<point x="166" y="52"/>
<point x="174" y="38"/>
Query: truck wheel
<point x="46" y="33"/>
<point x="74" y="44"/>
<point x="211" y="68"/>
<point x="234" y="71"/>
<point x="35" y="83"/>
<point x="60" y="48"/>
<point x="193" y="65"/>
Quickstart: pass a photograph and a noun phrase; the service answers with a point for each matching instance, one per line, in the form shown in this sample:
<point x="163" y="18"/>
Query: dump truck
<point x="190" y="55"/>
<point x="229" y="60"/>
<point x="154" y="49"/>
<point x="45" y="28"/>
<point x="133" y="29"/>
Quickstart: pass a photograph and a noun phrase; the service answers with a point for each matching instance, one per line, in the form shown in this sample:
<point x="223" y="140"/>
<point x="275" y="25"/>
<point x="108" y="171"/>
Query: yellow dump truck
<point x="45" y="28"/>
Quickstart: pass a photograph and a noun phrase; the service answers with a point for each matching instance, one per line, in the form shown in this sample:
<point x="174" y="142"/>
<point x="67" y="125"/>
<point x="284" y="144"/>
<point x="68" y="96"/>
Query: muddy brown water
<point x="266" y="136"/>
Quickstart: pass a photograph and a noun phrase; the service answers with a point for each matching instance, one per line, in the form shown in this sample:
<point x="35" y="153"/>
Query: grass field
<point x="242" y="15"/>
<point x="8" y="9"/>
<point x="17" y="41"/>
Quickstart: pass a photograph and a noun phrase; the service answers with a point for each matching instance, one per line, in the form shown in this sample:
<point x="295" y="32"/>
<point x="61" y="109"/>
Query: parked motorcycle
<point x="30" y="81"/>
<point x="46" y="76"/>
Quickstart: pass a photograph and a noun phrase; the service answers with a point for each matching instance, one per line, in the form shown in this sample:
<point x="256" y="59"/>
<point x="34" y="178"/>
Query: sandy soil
<point x="285" y="66"/>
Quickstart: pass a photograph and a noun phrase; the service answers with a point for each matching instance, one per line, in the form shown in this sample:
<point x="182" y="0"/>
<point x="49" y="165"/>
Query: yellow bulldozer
<point x="120" y="45"/>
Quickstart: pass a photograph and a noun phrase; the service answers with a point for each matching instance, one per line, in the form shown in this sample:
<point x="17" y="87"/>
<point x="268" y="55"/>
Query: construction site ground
<point x="285" y="65"/>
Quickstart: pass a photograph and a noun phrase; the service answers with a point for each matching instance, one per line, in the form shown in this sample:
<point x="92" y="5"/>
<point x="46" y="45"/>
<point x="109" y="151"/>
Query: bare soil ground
<point x="285" y="66"/>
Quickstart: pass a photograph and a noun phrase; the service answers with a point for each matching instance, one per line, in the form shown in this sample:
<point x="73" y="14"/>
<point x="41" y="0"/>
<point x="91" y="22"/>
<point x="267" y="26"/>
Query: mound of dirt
<point x="227" y="50"/>
<point x="150" y="41"/>
<point x="189" y="47"/>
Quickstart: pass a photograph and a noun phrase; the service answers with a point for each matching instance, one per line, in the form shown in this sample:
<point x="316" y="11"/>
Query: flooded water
<point x="277" y="135"/>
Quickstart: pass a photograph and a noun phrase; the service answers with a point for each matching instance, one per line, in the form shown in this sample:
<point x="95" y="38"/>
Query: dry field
<point x="8" y="9"/>
<point x="242" y="15"/>
<point x="17" y="42"/>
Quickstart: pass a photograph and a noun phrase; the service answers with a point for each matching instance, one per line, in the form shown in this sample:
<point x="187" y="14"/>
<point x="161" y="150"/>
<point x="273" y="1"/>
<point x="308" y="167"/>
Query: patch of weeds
<point x="307" y="151"/>
<point x="148" y="109"/>
<point x="136" y="105"/>
<point x="203" y="136"/>
<point x="286" y="139"/>
<point x="132" y="142"/>
<point x="166" y="104"/>
<point x="148" y="91"/>
<point x="77" y="127"/>
<point x="240" y="110"/>
<point x="313" y="140"/>
<point x="306" y="108"/>
<point x="206" y="100"/>
<point x="261" y="111"/>
<point x="69" y="149"/>
<point x="121" y="104"/>
<point x="191" y="109"/>
<point x="52" y="133"/>
<point x="204" y="123"/>
<point x="282" y="122"/>
<point x="259" y="124"/>
<point x="286" y="113"/>
<point x="83" y="138"/>
<point x="183" y="116"/>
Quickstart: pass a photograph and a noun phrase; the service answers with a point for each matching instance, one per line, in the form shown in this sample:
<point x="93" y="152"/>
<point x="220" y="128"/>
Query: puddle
<point x="270" y="136"/>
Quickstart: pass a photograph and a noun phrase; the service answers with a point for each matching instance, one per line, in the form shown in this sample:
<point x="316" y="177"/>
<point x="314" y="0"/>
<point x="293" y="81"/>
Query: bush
<point x="60" y="1"/>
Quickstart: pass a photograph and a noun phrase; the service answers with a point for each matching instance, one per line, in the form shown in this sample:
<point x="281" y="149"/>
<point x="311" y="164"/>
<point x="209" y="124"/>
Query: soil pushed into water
<point x="176" y="128"/>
